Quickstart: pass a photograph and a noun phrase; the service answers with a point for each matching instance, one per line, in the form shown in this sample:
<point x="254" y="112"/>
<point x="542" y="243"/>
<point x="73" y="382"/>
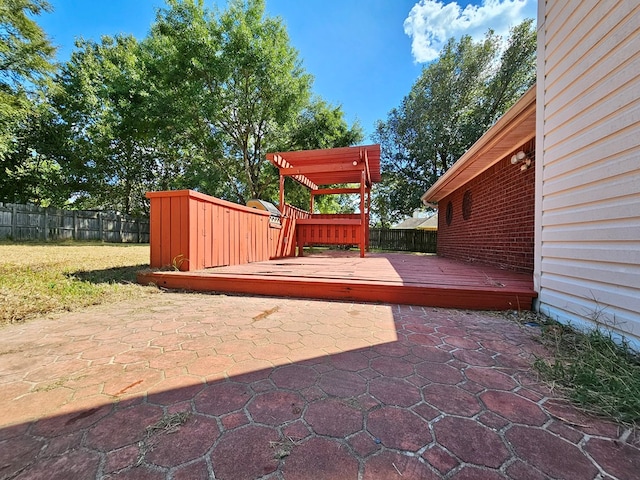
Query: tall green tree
<point x="102" y="99"/>
<point x="25" y="65"/>
<point x="454" y="101"/>
<point x="247" y="84"/>
<point x="25" y="60"/>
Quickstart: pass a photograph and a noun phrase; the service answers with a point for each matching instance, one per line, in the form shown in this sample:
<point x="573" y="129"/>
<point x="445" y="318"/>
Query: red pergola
<point x="321" y="170"/>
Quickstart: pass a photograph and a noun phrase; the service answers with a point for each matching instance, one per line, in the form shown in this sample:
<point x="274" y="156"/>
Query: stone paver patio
<point x="185" y="386"/>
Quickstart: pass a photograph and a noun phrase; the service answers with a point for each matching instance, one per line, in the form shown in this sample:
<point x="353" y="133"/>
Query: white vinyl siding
<point x="588" y="195"/>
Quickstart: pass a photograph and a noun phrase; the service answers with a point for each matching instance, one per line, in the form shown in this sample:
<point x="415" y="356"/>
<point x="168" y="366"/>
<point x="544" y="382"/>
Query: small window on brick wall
<point x="449" y="216"/>
<point x="466" y="205"/>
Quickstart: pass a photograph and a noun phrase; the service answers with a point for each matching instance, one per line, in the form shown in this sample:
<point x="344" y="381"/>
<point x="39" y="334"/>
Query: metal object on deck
<point x="275" y="214"/>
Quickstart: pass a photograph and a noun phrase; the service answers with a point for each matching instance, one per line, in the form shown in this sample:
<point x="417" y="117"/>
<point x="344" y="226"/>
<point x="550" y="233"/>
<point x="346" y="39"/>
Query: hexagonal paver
<point x="550" y="454"/>
<point x="184" y="442"/>
<point x="221" y="398"/>
<point x="514" y="407"/>
<point x="174" y="390"/>
<point x="616" y="458"/>
<point x="245" y="453"/>
<point x="392" y="366"/>
<point x="473" y="357"/>
<point x="439" y="373"/>
<point x="320" y="459"/>
<point x="471" y="442"/>
<point x="392" y="465"/>
<point x="210" y="366"/>
<point x="123" y="427"/>
<point x="399" y="428"/>
<point x="294" y="377"/>
<point x="431" y="354"/>
<point x="440" y="459"/>
<point x="276" y="408"/>
<point x="75" y="464"/>
<point x="451" y="399"/>
<point x="342" y="384"/>
<point x="353" y="361"/>
<point x="334" y="418"/>
<point x="394" y="391"/>
<point x="490" y="378"/>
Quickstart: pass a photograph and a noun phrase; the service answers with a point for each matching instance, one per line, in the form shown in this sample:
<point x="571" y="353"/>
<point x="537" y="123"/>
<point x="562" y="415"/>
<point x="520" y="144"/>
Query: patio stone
<point x="550" y="454"/>
<point x="187" y="442"/>
<point x="276" y="408"/>
<point x="474" y="473"/>
<point x="399" y="428"/>
<point x="334" y="418"/>
<point x="471" y="442"/>
<point x="75" y="464"/>
<point x="490" y="378"/>
<point x="320" y="459"/>
<point x="245" y="453"/>
<point x="391" y="465"/>
<point x="342" y="384"/>
<point x="222" y="398"/>
<point x="616" y="458"/>
<point x="451" y="399"/>
<point x="440" y="459"/>
<point x="514" y="407"/>
<point x="394" y="391"/>
<point x="439" y="373"/>
<point x="122" y="427"/>
<point x="293" y="377"/>
<point x="192" y="471"/>
<point x="17" y="454"/>
<point x="419" y="392"/>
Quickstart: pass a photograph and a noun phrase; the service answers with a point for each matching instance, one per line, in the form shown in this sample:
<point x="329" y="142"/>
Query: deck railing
<point x="191" y="231"/>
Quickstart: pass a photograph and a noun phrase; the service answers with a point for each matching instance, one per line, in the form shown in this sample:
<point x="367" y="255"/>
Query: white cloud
<point x="431" y="23"/>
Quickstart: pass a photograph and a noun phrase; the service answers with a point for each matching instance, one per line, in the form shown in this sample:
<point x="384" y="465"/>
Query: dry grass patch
<point x="41" y="278"/>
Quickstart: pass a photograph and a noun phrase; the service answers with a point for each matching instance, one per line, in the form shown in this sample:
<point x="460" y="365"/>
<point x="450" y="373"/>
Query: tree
<point x="196" y="104"/>
<point x="25" y="61"/>
<point x="109" y="157"/>
<point x="453" y="102"/>
<point x="247" y="79"/>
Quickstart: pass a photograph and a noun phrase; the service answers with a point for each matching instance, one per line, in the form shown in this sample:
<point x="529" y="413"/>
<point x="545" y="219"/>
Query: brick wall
<point x="499" y="228"/>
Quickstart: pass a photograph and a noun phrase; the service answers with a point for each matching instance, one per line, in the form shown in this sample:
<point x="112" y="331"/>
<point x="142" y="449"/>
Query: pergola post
<point x="363" y="224"/>
<point x="281" y="194"/>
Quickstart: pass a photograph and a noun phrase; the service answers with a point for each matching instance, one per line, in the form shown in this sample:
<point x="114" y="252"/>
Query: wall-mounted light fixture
<point x="525" y="158"/>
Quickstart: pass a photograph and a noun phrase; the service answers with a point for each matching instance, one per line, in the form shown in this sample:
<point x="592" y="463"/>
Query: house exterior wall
<point x="588" y="142"/>
<point x="499" y="228"/>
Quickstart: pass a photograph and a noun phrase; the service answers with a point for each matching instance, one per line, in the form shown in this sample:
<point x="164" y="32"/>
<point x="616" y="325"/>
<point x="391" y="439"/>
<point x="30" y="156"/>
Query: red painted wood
<point x="206" y="232"/>
<point x="390" y="278"/>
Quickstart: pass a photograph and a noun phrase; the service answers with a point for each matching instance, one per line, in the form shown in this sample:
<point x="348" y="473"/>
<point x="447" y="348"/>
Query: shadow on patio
<point x="188" y="386"/>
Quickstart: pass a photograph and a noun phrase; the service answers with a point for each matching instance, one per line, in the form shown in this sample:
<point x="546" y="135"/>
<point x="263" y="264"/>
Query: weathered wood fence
<point x="403" y="240"/>
<point x="30" y="222"/>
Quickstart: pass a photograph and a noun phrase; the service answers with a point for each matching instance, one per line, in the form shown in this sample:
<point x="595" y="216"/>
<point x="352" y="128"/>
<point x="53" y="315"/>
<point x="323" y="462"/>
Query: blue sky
<point x="364" y="54"/>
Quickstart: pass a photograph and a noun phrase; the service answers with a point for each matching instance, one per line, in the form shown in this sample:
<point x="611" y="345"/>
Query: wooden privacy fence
<point x="30" y="222"/>
<point x="192" y="231"/>
<point x="403" y="240"/>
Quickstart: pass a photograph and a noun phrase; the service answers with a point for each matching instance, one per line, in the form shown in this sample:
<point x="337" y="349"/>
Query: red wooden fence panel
<point x="191" y="231"/>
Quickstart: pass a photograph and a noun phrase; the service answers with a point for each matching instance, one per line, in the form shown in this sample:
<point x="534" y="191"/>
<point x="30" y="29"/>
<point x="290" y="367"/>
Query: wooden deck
<point x="426" y="280"/>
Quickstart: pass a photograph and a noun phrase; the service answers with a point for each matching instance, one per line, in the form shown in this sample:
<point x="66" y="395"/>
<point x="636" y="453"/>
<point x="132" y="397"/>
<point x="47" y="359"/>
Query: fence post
<point x="45" y="233"/>
<point x="14" y="221"/>
<point x="118" y="227"/>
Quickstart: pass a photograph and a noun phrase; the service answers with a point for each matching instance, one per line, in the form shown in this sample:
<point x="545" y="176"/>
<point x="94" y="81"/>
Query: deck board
<point x="426" y="280"/>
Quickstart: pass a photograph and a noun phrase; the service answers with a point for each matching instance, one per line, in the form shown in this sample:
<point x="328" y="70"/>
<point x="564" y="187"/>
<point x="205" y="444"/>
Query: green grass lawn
<point x="41" y="278"/>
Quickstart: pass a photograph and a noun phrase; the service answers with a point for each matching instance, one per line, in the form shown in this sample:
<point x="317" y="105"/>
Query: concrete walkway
<point x="187" y="386"/>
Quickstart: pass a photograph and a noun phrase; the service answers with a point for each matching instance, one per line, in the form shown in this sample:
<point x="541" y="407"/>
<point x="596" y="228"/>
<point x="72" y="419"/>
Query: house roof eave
<point x="514" y="128"/>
